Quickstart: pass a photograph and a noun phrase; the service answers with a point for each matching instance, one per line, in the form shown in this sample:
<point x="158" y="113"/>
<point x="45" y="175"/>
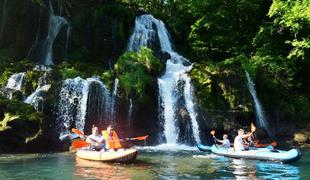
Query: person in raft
<point x="111" y="138"/>
<point x="225" y="142"/>
<point x="238" y="142"/>
<point x="96" y="140"/>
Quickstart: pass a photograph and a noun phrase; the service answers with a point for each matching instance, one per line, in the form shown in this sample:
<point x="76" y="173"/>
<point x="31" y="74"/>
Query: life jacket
<point x="113" y="142"/>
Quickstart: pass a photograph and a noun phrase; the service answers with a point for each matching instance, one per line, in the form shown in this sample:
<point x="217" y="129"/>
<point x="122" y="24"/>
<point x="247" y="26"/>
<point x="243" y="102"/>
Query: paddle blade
<point x="141" y="138"/>
<point x="212" y="132"/>
<point x="76" y="131"/>
<point x="253" y="128"/>
<point x="80" y="144"/>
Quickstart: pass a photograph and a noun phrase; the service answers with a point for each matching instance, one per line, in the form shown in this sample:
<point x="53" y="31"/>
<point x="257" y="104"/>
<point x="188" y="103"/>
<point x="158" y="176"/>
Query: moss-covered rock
<point x="136" y="72"/>
<point x="20" y="126"/>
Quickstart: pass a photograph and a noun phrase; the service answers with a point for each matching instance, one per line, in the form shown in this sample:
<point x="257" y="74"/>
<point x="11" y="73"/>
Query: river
<point x="152" y="163"/>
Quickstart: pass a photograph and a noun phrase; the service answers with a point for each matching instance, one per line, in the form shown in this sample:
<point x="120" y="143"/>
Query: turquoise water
<point x="151" y="164"/>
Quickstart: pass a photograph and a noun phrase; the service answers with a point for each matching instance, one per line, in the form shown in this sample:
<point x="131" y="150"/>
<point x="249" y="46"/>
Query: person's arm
<point x="217" y="139"/>
<point x="246" y="135"/>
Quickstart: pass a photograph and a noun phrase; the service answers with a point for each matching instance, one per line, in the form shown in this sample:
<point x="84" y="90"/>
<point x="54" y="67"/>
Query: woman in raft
<point x="107" y="141"/>
<point x="111" y="138"/>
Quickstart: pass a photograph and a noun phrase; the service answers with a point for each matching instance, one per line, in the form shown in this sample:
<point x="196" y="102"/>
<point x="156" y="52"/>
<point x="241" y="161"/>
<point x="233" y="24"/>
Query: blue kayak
<point x="208" y="148"/>
<point x="265" y="154"/>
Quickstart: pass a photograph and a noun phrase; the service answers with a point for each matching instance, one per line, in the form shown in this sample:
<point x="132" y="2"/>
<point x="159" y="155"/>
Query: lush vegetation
<point x="270" y="39"/>
<point x="20" y="125"/>
<point x="137" y="72"/>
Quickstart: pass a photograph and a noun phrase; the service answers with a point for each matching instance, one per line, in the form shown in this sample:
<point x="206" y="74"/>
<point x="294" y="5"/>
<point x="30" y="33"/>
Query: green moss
<point x="69" y="73"/>
<point x="108" y="78"/>
<point x="4" y="77"/>
<point x="221" y="86"/>
<point x="136" y="71"/>
<point x="20" y="124"/>
<point x="30" y="83"/>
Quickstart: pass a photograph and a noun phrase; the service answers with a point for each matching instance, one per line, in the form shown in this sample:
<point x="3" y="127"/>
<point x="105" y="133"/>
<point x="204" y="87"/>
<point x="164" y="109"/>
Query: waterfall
<point x="72" y="105"/>
<point x="113" y="102"/>
<point x="189" y="103"/>
<point x="100" y="103"/>
<point x="15" y="81"/>
<point x="43" y="51"/>
<point x="81" y="99"/>
<point x="67" y="42"/>
<point x="130" y="112"/>
<point x="147" y="31"/>
<point x="260" y="115"/>
<point x="36" y="99"/>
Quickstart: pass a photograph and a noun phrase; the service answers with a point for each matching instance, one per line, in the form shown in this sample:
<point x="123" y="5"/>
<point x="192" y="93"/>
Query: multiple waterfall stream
<point x="82" y="100"/>
<point x="147" y="32"/>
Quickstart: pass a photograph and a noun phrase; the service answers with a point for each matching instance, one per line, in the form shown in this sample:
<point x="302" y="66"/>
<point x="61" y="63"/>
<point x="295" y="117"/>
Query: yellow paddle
<point x="253" y="128"/>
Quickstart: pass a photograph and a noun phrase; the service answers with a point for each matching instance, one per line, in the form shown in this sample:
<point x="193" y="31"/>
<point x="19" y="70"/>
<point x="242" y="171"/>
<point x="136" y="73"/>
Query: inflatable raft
<point x="120" y="156"/>
<point x="265" y="154"/>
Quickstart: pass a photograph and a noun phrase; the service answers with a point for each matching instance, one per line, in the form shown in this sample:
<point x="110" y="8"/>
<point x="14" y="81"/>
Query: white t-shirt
<point x="92" y="138"/>
<point x="238" y="144"/>
<point x="226" y="143"/>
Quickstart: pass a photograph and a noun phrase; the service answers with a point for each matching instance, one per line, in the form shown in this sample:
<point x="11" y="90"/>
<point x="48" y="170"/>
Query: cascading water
<point x="260" y="115"/>
<point x="14" y="84"/>
<point x="100" y="103"/>
<point x="145" y="34"/>
<point x="15" y="81"/>
<point x="113" y="102"/>
<point x="189" y="103"/>
<point x="43" y="51"/>
<point x="130" y="112"/>
<point x="72" y="105"/>
<point x="36" y="99"/>
<point x="81" y="99"/>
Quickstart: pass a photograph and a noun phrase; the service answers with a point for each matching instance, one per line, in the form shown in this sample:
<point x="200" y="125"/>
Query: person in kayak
<point x="225" y="142"/>
<point x="96" y="140"/>
<point x="238" y="142"/>
<point x="111" y="138"/>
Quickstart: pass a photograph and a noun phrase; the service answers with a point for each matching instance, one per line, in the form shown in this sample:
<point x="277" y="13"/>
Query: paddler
<point x="225" y="142"/>
<point x="111" y="138"/>
<point x="238" y="142"/>
<point x="96" y="140"/>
